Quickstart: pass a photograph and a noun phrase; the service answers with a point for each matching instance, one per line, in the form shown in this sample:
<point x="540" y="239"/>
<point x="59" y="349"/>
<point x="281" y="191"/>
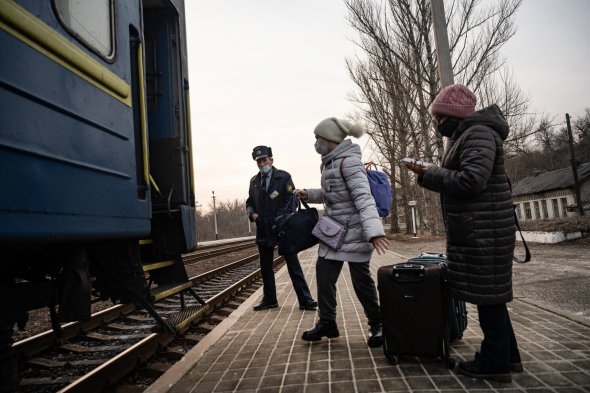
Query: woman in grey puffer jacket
<point x="347" y="199"/>
<point x="479" y="222"/>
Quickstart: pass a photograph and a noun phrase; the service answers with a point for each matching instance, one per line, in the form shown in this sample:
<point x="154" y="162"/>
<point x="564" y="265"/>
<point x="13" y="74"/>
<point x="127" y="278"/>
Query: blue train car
<point x="95" y="153"/>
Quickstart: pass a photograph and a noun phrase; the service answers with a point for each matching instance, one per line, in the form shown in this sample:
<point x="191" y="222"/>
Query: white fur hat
<point x="335" y="130"/>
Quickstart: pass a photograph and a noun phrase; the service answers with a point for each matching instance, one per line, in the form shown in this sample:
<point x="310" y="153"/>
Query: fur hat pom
<point x="356" y="130"/>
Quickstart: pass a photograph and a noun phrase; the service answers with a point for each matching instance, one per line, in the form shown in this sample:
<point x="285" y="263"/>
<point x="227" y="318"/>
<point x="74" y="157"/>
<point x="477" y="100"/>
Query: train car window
<point x="91" y="22"/>
<point x="152" y="74"/>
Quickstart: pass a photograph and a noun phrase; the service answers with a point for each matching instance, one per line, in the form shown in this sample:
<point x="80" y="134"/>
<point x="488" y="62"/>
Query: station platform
<point x="262" y="351"/>
<point x="221" y="242"/>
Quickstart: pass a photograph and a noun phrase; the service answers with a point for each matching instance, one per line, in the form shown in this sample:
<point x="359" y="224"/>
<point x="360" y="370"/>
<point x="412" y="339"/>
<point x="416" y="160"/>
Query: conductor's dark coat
<point x="277" y="200"/>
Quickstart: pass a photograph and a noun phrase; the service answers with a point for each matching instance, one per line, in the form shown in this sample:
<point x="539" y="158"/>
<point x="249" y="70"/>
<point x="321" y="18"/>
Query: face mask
<point x="320" y="148"/>
<point x="448" y="126"/>
<point x="265" y="169"/>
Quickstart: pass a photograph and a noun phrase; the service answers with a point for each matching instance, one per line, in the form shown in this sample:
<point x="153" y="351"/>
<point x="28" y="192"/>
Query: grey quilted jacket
<point x="349" y="203"/>
<point x="477" y="208"/>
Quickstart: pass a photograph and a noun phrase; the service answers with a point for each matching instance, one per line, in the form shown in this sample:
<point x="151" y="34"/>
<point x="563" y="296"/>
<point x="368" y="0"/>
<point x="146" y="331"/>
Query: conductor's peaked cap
<point x="260" y="152"/>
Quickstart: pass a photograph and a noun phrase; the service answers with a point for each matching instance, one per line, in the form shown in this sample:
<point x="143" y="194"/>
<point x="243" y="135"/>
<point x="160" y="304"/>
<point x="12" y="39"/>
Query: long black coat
<point x="477" y="208"/>
<point x="277" y="200"/>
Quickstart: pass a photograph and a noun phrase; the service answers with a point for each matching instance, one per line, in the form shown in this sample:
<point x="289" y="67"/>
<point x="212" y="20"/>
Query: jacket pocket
<point x="459" y="228"/>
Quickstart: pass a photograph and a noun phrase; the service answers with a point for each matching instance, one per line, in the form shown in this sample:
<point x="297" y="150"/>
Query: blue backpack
<point x="380" y="188"/>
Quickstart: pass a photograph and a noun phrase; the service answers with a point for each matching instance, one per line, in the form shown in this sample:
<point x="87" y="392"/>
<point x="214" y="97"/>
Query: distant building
<point x="552" y="195"/>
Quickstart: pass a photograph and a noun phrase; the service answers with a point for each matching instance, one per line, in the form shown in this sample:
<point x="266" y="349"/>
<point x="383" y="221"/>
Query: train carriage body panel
<point x="68" y="144"/>
<point x="83" y="132"/>
<point x="96" y="187"/>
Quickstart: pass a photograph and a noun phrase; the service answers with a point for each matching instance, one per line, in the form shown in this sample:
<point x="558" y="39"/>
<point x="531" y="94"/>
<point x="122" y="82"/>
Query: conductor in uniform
<point x="270" y="194"/>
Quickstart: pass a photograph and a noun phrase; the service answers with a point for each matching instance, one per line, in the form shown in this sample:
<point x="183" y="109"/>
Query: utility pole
<point x="574" y="166"/>
<point x="197" y="206"/>
<point x="412" y="205"/>
<point x="214" y="215"/>
<point x="443" y="53"/>
<point x="441" y="39"/>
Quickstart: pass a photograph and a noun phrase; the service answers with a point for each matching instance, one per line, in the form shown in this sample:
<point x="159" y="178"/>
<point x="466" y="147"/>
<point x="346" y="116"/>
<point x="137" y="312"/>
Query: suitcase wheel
<point x="450" y="363"/>
<point x="393" y="360"/>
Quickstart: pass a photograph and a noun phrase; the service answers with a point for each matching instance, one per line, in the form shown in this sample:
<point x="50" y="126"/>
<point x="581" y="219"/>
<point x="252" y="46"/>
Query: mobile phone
<point x="409" y="160"/>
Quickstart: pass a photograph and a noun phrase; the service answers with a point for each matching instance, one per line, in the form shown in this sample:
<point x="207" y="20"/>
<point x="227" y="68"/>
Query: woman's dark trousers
<point x="499" y="347"/>
<point x="327" y="273"/>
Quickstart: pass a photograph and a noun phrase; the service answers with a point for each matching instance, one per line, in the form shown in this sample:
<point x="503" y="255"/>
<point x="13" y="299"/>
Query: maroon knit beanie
<point x="454" y="101"/>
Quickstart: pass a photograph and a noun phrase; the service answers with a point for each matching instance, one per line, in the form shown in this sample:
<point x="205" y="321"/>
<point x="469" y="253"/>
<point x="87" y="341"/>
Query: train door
<point x="173" y="221"/>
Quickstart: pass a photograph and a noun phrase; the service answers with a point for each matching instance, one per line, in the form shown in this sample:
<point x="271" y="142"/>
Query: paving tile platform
<point x="262" y="351"/>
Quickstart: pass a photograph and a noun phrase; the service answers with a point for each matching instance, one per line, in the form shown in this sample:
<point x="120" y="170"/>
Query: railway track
<point x="211" y="252"/>
<point x="93" y="355"/>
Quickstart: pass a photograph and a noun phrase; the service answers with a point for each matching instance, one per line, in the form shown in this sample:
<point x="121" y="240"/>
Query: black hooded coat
<point x="477" y="208"/>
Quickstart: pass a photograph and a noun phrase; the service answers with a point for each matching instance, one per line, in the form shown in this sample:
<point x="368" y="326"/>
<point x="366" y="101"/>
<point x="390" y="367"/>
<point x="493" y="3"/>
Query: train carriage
<point x="95" y="154"/>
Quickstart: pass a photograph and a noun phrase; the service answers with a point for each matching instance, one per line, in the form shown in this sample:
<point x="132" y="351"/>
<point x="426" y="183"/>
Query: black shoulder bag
<point x="293" y="229"/>
<point x="526" y="247"/>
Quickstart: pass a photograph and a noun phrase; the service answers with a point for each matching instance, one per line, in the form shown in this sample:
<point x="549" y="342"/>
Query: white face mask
<point x="265" y="169"/>
<point x="320" y="148"/>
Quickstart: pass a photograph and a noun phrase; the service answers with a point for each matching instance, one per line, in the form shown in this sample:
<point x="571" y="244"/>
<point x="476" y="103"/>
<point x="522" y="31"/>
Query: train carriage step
<point x="157" y="265"/>
<point x="182" y="319"/>
<point x="163" y="291"/>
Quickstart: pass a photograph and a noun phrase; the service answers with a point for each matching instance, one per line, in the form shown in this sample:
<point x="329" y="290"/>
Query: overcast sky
<point x="265" y="72"/>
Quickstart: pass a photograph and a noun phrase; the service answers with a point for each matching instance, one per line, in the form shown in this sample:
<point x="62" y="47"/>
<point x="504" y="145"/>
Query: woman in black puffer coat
<point x="479" y="222"/>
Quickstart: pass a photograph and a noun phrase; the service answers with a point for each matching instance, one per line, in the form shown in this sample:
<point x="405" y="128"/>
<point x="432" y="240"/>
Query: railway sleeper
<point x="76" y="348"/>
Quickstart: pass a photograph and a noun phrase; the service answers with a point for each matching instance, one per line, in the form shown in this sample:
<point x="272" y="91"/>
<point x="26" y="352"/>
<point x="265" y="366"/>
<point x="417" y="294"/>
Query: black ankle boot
<point x="324" y="328"/>
<point x="375" y="336"/>
<point x="474" y="369"/>
<point x="515" y="364"/>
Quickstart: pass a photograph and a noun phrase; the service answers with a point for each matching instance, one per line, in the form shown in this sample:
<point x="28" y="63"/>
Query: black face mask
<point x="448" y="126"/>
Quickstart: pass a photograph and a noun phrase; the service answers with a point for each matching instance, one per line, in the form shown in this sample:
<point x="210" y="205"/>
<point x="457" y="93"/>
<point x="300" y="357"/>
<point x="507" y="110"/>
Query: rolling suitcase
<point x="414" y="311"/>
<point x="457" y="308"/>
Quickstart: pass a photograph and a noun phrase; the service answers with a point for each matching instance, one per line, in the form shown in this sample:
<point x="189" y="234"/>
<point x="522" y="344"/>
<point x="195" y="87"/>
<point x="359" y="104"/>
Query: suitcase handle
<point x="408" y="272"/>
<point x="432" y="254"/>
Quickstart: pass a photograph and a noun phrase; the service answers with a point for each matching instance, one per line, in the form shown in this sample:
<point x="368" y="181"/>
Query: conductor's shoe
<point x="375" y="336"/>
<point x="475" y="369"/>
<point x="310" y="305"/>
<point x="324" y="328"/>
<point x="264" y="306"/>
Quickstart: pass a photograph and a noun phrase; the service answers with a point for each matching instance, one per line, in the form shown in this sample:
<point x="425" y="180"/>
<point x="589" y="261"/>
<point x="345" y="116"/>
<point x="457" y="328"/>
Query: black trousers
<point x="499" y="347"/>
<point x="327" y="273"/>
<point x="295" y="272"/>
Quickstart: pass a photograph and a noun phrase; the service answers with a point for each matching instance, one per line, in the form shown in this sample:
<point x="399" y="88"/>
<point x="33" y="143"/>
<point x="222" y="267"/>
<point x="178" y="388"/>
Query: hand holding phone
<point x="409" y="160"/>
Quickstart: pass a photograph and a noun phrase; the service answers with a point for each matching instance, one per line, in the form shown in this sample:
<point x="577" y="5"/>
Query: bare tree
<point x="544" y="136"/>
<point x="582" y="129"/>
<point x="546" y="147"/>
<point x="397" y="79"/>
<point x="232" y="221"/>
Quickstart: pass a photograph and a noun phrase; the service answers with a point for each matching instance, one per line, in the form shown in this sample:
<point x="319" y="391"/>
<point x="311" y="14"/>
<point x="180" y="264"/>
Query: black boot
<point x="475" y="369"/>
<point x="515" y="364"/>
<point x="375" y="336"/>
<point x="324" y="328"/>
